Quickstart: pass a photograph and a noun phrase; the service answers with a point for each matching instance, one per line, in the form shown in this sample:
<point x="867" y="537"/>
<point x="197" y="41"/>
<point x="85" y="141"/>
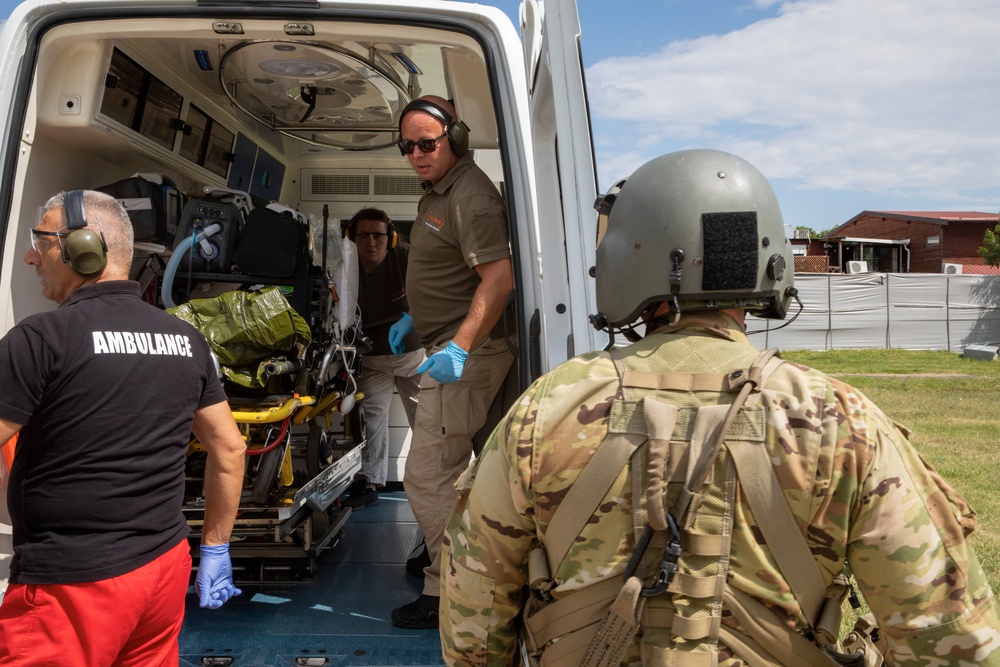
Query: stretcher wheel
<point x="354" y="425"/>
<point x="267" y="475"/>
<point x="319" y="449"/>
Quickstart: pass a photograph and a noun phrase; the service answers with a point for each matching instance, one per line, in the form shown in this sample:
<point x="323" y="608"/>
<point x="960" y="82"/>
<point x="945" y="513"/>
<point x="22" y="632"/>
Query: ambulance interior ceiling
<point x="359" y="75"/>
<point x="327" y="99"/>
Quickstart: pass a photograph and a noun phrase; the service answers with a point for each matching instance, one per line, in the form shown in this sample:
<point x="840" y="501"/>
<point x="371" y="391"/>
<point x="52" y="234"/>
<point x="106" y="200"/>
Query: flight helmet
<point x="700" y="229"/>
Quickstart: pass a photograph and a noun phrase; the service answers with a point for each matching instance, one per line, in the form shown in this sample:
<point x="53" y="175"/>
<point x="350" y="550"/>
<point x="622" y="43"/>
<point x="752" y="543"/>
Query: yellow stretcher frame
<point x="300" y="408"/>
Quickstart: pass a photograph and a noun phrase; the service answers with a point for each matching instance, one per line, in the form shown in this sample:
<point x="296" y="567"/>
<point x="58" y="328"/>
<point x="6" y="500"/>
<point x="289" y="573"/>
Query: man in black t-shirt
<point x="104" y="393"/>
<point x="382" y="300"/>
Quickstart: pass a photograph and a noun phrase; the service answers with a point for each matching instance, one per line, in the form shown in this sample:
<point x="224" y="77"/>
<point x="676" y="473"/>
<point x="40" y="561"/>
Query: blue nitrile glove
<point x="398" y="333"/>
<point x="446" y="365"/>
<point x="215" y="576"/>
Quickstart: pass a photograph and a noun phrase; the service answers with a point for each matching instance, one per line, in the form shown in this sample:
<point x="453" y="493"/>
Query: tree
<point x="990" y="250"/>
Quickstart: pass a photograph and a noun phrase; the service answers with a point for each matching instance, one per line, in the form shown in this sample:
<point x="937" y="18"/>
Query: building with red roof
<point x="911" y="242"/>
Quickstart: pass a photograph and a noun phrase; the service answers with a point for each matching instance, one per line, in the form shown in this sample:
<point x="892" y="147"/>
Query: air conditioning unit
<point x="857" y="266"/>
<point x="802" y="234"/>
<point x="951" y="268"/>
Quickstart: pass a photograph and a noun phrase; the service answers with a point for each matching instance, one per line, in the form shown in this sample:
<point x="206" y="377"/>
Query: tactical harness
<point x="676" y="585"/>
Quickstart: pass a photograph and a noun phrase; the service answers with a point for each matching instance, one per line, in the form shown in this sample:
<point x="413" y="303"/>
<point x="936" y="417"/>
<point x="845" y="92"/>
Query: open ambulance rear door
<point x="565" y="175"/>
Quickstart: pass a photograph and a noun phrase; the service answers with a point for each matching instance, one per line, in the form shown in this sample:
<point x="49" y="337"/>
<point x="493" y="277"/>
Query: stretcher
<point x="298" y="408"/>
<point x="302" y="454"/>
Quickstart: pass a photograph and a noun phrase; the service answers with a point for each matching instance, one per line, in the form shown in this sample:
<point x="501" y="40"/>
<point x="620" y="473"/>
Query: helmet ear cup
<point x="84" y="251"/>
<point x="457" y="130"/>
<point x="392" y="235"/>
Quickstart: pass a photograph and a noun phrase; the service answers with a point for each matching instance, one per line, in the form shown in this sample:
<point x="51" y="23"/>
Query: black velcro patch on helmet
<point x="730" y="261"/>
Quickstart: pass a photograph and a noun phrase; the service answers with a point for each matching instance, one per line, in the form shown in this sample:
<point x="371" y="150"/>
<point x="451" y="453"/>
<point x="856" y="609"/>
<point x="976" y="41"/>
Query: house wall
<point x="923" y="258"/>
<point x="963" y="242"/>
<point x="959" y="241"/>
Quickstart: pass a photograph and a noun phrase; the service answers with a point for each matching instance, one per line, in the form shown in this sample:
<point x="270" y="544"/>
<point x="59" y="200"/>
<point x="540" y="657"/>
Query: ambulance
<point x="195" y="112"/>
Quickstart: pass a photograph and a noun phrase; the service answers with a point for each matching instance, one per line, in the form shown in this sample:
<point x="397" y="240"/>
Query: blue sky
<point x="845" y="105"/>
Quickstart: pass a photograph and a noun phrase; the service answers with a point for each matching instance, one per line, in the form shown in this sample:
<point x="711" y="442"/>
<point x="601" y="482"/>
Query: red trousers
<point x="127" y="621"/>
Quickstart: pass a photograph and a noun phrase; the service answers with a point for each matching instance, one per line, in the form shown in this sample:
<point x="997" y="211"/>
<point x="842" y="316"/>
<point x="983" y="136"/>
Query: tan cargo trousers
<point x="448" y="415"/>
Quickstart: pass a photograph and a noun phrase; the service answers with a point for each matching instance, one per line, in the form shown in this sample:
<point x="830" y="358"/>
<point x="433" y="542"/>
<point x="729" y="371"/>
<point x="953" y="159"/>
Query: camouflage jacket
<point x="854" y="483"/>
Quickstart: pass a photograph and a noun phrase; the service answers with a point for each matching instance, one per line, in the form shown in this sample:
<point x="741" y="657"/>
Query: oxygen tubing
<point x="175" y="260"/>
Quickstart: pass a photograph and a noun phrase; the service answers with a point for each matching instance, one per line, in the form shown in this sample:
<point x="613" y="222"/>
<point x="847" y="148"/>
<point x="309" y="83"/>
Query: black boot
<point x="421" y="614"/>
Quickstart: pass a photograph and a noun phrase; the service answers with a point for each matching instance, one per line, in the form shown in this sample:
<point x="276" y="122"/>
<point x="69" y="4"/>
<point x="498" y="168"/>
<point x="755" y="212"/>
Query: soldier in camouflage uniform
<point x="857" y="489"/>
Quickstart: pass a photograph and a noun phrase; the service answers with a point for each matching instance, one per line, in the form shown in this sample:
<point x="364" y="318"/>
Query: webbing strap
<point x="688" y="628"/>
<point x="676" y="381"/>
<point x="589" y="489"/>
<point x="575" y="611"/>
<point x="583" y="498"/>
<point x="706" y="443"/>
<point x="655" y="656"/>
<point x="692" y="586"/>
<point x="615" y="634"/>
<point x="660" y="419"/>
<point x="628" y="417"/>
<point x="771" y="637"/>
<point x="781" y="531"/>
<point x="747" y="649"/>
<point x="567" y="651"/>
<point x="687" y="503"/>
<point x="701" y="545"/>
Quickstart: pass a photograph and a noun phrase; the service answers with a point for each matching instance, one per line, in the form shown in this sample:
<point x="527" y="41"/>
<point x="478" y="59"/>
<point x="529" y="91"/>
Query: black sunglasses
<point x="425" y="145"/>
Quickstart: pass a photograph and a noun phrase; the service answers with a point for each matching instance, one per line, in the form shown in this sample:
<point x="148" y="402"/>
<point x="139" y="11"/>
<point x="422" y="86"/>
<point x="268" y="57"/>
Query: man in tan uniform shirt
<point x="458" y="278"/>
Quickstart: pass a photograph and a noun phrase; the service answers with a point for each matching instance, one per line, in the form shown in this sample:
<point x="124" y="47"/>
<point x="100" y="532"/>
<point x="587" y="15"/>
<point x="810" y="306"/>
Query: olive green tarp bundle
<point x="246" y="329"/>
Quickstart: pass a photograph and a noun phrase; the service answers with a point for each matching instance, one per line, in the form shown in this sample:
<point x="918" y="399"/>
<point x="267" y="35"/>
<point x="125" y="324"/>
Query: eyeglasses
<point x="425" y="145"/>
<point x="371" y="236"/>
<point x="41" y="246"/>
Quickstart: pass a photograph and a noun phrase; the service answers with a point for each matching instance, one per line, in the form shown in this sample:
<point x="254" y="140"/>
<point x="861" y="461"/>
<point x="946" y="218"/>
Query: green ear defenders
<point x="457" y="130"/>
<point x="84" y="251"/>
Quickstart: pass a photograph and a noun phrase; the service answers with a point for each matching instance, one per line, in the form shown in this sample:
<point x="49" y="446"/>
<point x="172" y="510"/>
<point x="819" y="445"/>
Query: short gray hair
<point x="111" y="220"/>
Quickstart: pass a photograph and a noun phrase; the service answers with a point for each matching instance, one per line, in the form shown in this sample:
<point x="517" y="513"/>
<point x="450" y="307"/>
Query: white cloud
<point x="842" y="94"/>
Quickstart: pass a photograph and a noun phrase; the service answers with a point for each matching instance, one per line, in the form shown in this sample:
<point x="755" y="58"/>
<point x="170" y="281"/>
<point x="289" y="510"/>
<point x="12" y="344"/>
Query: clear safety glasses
<point x="43" y="244"/>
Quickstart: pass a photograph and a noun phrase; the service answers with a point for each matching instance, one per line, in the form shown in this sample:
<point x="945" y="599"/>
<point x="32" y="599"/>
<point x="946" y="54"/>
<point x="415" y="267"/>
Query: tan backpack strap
<point x="586" y="494"/>
<point x="771" y="638"/>
<point x="660" y="420"/>
<point x="781" y="531"/>
<point x="760" y="486"/>
<point x="743" y="382"/>
<point x="616" y="632"/>
<point x="573" y="612"/>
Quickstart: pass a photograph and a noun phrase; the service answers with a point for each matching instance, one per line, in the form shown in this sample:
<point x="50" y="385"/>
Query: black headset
<point x="84" y="251"/>
<point x="458" y="131"/>
<point x="351" y="232"/>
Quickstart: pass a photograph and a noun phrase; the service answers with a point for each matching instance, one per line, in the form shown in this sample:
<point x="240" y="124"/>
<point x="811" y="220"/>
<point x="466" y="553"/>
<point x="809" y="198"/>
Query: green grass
<point x="953" y="416"/>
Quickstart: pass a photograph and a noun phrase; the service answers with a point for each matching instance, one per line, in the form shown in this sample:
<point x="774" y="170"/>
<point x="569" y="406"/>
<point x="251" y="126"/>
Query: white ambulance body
<point x="297" y="102"/>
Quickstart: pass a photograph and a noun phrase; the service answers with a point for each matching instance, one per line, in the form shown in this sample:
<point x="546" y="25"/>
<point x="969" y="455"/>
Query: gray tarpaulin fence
<point x="913" y="311"/>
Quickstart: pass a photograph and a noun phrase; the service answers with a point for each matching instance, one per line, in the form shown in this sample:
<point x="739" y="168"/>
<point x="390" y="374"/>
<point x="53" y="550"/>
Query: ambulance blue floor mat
<point x="339" y="618"/>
